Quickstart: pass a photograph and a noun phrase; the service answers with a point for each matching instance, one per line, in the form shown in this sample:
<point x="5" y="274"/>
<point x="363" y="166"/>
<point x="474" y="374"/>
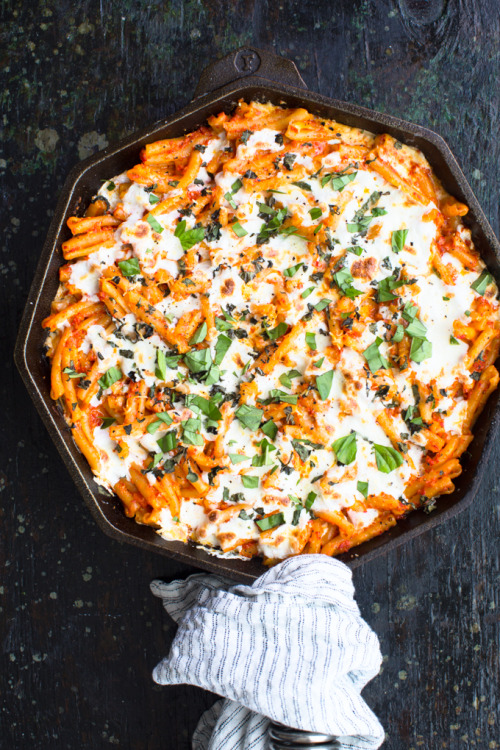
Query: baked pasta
<point x="273" y="335"/>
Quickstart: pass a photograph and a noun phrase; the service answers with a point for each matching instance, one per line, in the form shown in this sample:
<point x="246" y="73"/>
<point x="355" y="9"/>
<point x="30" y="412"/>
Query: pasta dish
<point x="273" y="335"/>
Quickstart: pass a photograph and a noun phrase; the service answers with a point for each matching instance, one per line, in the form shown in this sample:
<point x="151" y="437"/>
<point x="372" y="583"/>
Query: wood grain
<point x="79" y="629"/>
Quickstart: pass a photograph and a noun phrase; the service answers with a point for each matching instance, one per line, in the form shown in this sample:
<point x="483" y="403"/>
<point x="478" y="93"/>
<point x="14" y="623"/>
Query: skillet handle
<point x="245" y="62"/>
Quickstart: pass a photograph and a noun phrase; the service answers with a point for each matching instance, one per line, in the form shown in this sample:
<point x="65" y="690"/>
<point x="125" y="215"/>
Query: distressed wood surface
<point x="79" y="630"/>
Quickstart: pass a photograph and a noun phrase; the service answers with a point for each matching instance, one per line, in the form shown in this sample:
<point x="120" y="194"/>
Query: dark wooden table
<point x="79" y="630"/>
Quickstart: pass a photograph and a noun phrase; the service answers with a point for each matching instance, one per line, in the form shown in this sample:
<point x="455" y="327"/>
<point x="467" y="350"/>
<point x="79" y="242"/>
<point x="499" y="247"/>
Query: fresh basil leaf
<point x="345" y="449"/>
<point x="290" y="272"/>
<point x="161" y="365"/>
<point x="270" y="429"/>
<point x="213" y="375"/>
<point x="222" y="345"/>
<point x="198" y="360"/>
<point x="270" y="522"/>
<point x="379" y="212"/>
<point x="110" y="376"/>
<point x="237" y="458"/>
<point x="283" y="397"/>
<point x="307" y="292"/>
<point x="153" y="199"/>
<point x="206" y="406"/>
<point x="454" y="341"/>
<point x="238" y="229"/>
<point x="154" y="224"/>
<point x="287" y="377"/>
<point x="223" y="325"/>
<point x="250" y="483"/>
<point x="363" y="488"/>
<point x="410" y="312"/>
<point x="310" y="500"/>
<point x="416" y="329"/>
<point x="199" y="335"/>
<point x="322" y="304"/>
<point x="107" y="422"/>
<point x="278" y="331"/>
<point x="398" y="240"/>
<point x="420" y="349"/>
<point x="168" y="442"/>
<point x="73" y="373"/>
<point x="339" y="183"/>
<point x="302" y="185"/>
<point x="311" y="341"/>
<point x="237" y="185"/>
<point x="315" y="213"/>
<point x="190" y="431"/>
<point x="398" y="334"/>
<point x="387" y="458"/>
<point x="344" y="280"/>
<point x="129" y="267"/>
<point x="355" y="250"/>
<point x="249" y="416"/>
<point x="374" y="358"/>
<point x="324" y="384"/>
<point x="482" y="282"/>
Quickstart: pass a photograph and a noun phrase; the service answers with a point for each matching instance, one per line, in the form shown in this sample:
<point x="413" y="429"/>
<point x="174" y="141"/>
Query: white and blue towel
<point x="292" y="647"/>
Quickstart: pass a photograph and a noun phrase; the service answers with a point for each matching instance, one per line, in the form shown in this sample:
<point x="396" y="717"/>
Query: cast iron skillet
<point x="251" y="74"/>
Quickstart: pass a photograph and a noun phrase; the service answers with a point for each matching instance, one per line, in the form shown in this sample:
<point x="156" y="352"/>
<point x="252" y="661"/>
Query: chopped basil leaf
<point x="319" y="306"/>
<point x="379" y="211"/>
<point x="275" y="333"/>
<point x="398" y="334"/>
<point x="315" y="213"/>
<point x="374" y="358"/>
<point x="345" y="449"/>
<point x="398" y="240"/>
<point x="302" y="185"/>
<point x="416" y="329"/>
<point x="454" y="341"/>
<point x="198" y="360"/>
<point x="199" y="335"/>
<point x="344" y="280"/>
<point x="237" y="458"/>
<point x="168" y="442"/>
<point x="107" y="422"/>
<point x="482" y="282"/>
<point x="307" y="292"/>
<point x="420" y="349"/>
<point x="292" y="270"/>
<point x="223" y="325"/>
<point x="245" y="136"/>
<point x="190" y="432"/>
<point x="319" y="362"/>
<point x="129" y="267"/>
<point x="283" y="397"/>
<point x="155" y="226"/>
<point x="110" y="376"/>
<point x="387" y="458"/>
<point x="270" y="522"/>
<point x="363" y="488"/>
<point x="221" y="347"/>
<point x="188" y="237"/>
<point x="249" y="416"/>
<point x="324" y="384"/>
<point x="161" y="365"/>
<point x="204" y="405"/>
<point x="237" y="185"/>
<point x="311" y="341"/>
<point x="310" y="500"/>
<point x="73" y="373"/>
<point x="270" y="429"/>
<point x="153" y="199"/>
<point x="238" y="229"/>
<point x="286" y="378"/>
<point x="249" y="482"/>
<point x="355" y="250"/>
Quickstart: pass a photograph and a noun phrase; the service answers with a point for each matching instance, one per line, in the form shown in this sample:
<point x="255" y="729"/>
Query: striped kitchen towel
<point x="292" y="647"/>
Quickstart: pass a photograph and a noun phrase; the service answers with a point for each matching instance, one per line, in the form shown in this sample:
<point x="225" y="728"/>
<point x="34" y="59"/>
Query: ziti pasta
<point x="273" y="335"/>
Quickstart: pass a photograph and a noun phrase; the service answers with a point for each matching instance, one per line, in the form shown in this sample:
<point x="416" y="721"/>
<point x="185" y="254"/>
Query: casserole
<point x="84" y="181"/>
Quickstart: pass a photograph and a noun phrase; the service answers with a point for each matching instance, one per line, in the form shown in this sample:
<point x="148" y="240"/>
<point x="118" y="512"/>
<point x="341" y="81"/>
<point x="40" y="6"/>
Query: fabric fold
<point x="292" y="647"/>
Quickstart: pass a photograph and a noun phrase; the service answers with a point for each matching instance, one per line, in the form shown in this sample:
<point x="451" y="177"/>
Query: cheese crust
<point x="274" y="334"/>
